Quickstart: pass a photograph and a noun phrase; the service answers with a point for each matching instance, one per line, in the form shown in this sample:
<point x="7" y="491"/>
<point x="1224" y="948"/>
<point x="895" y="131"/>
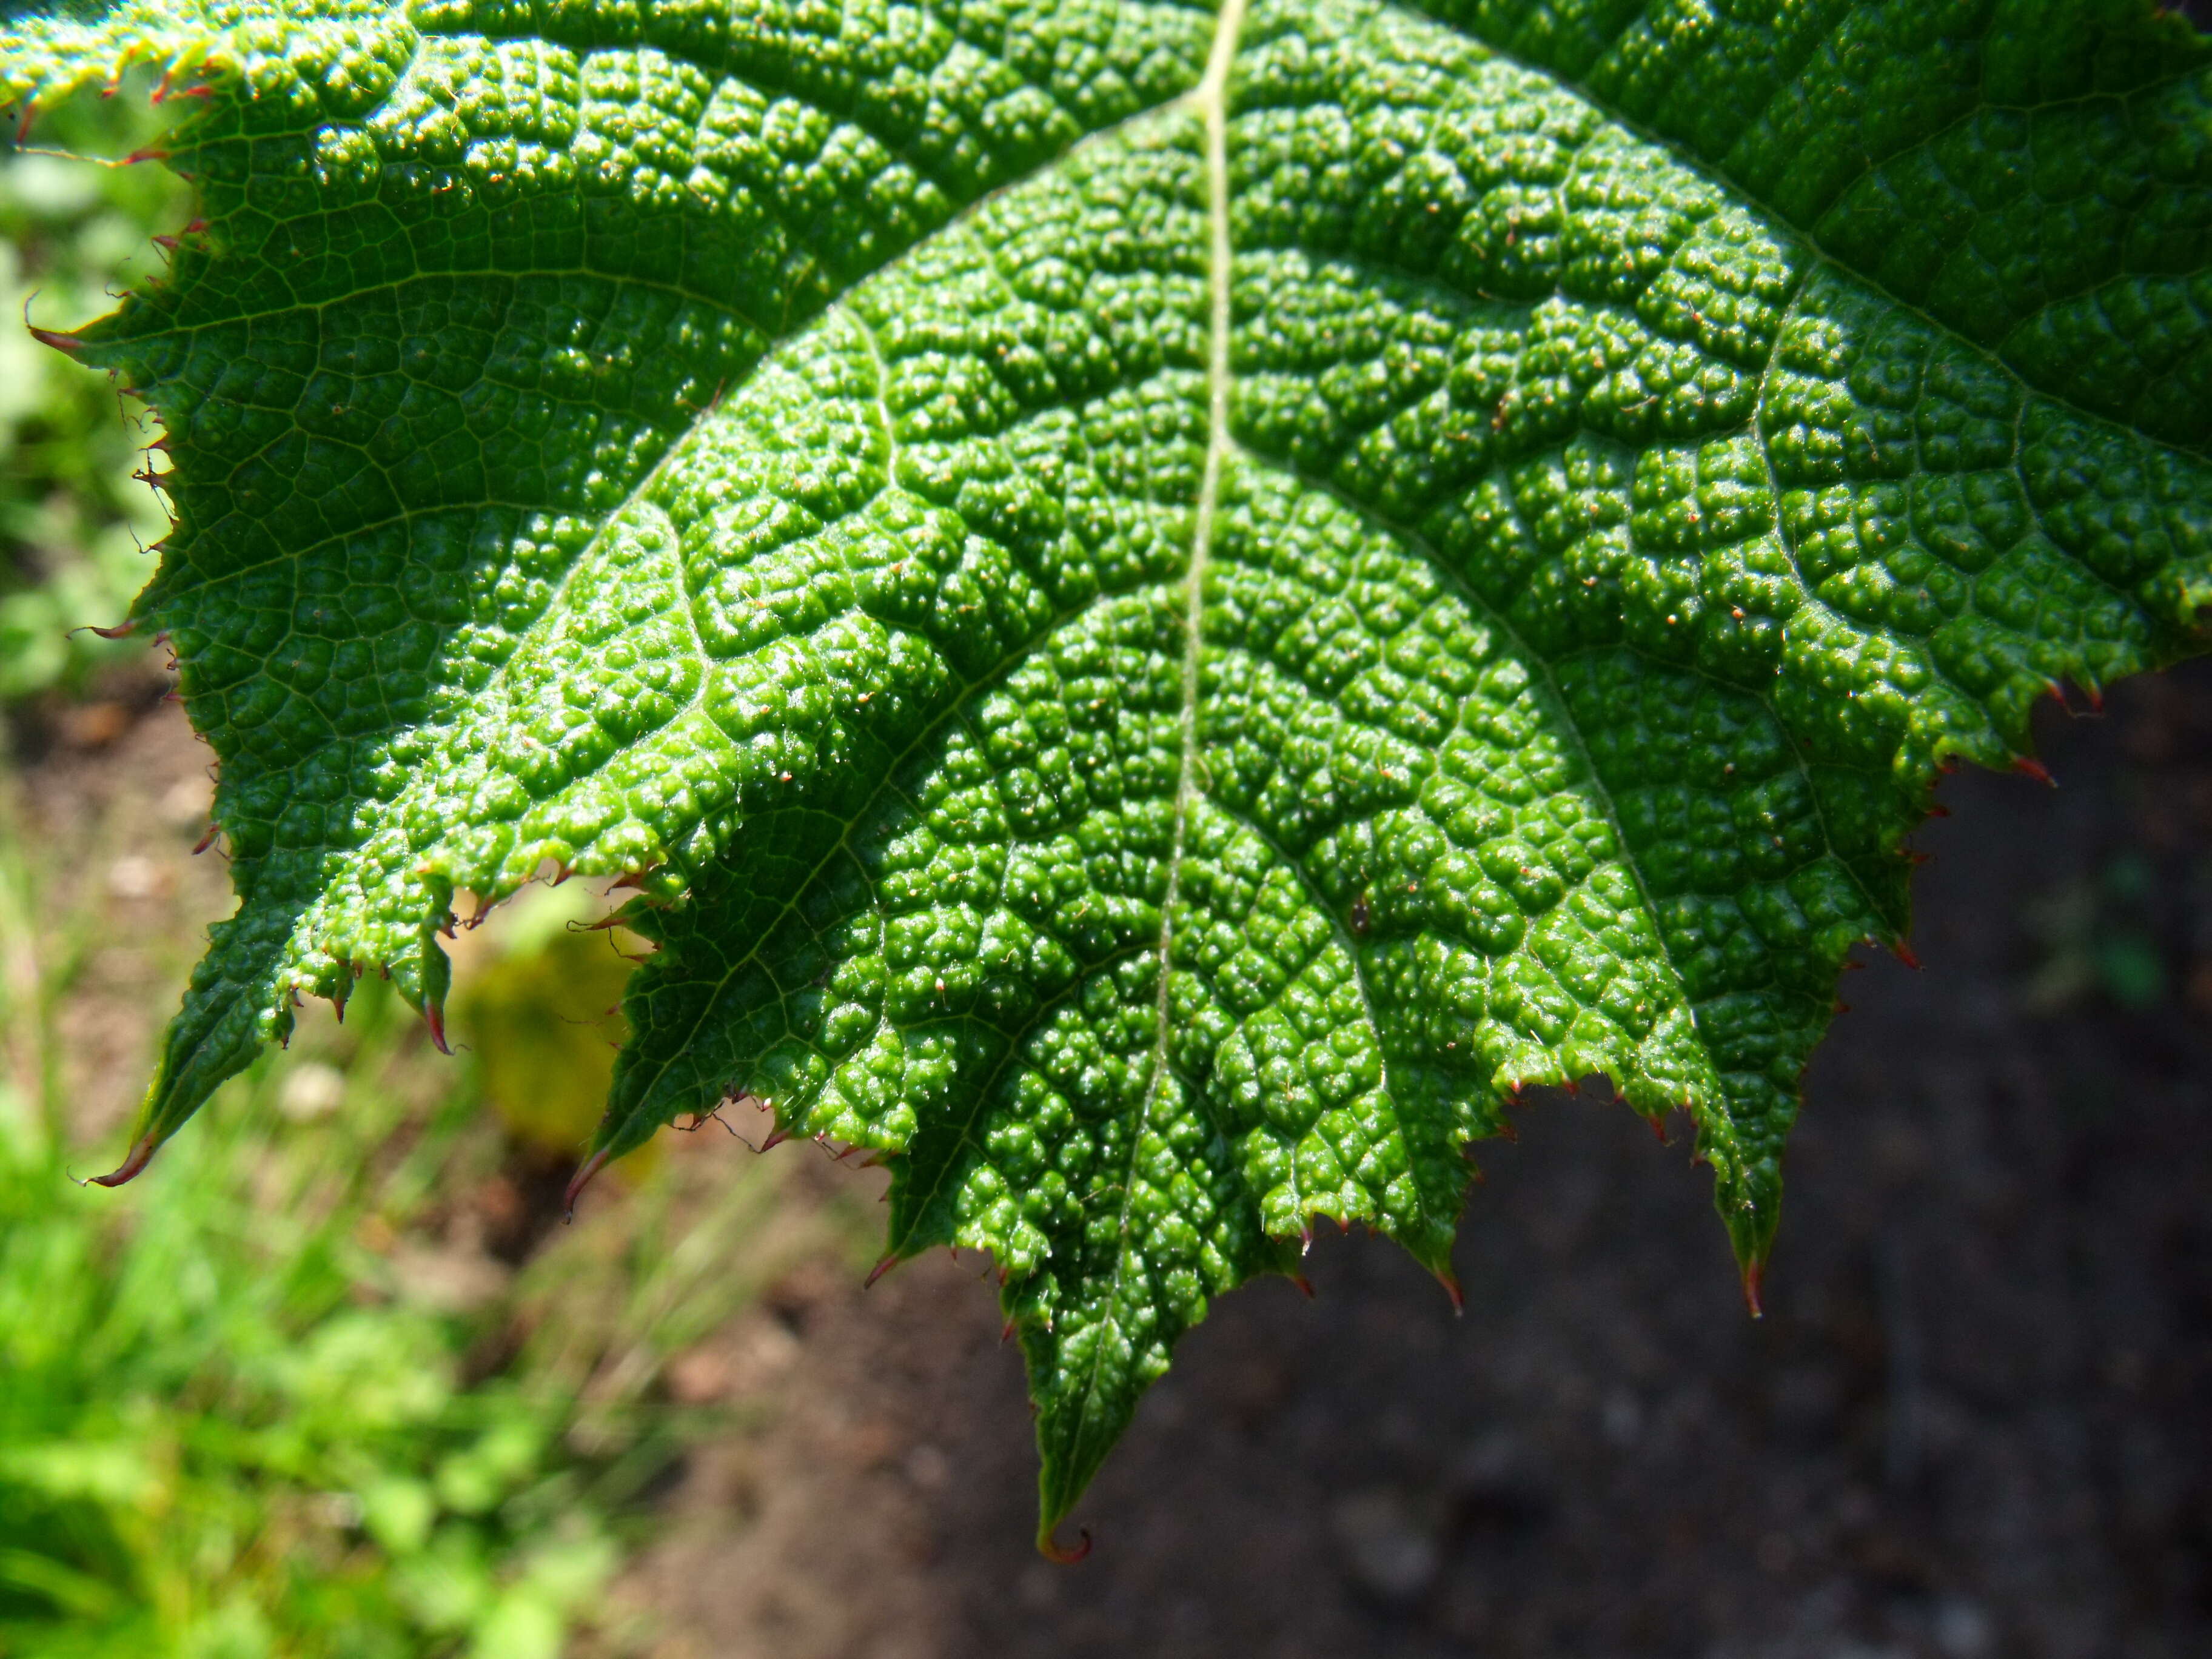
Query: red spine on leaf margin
<point x="140" y="1155"/>
<point x="1753" y="1272"/>
<point x="1065" y="1555"/>
<point x="582" y="1179"/>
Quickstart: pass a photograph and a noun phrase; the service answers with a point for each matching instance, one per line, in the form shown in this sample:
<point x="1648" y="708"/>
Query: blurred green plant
<point x="226" y="1429"/>
<point x="2098" y="935"/>
<point x="262" y="1409"/>
<point x="74" y="519"/>
<point x="543" y="1014"/>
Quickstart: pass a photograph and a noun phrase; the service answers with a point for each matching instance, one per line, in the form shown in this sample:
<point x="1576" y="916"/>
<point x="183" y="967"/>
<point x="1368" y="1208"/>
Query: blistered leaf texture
<point x="1166" y="607"/>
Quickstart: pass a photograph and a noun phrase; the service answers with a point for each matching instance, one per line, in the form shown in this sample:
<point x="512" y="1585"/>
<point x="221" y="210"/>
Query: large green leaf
<point x="1166" y="608"/>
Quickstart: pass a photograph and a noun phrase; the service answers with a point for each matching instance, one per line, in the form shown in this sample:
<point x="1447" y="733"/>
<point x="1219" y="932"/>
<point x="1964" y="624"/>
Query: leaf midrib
<point x="1210" y="102"/>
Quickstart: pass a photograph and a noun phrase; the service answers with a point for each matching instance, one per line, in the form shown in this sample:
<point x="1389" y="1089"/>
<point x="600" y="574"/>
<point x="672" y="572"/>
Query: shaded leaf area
<point x="1444" y="554"/>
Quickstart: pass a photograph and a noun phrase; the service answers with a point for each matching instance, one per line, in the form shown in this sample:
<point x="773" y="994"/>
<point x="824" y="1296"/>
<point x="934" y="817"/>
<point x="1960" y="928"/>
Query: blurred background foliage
<point x="331" y="1379"/>
<point x="73" y="521"/>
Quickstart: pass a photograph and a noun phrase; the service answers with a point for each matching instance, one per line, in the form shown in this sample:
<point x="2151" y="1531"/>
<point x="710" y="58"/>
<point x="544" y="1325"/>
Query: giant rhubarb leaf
<point x="1165" y="606"/>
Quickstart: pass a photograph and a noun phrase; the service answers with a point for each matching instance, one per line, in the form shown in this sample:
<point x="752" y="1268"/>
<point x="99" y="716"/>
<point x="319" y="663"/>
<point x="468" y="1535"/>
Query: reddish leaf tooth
<point x="581" y="1180"/>
<point x="1450" y="1280"/>
<point x="140" y="1154"/>
<point x="1061" y="1554"/>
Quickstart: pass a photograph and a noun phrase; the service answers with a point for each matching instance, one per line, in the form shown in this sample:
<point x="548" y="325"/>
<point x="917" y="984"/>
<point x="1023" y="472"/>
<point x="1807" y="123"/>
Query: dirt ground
<point x="1977" y="1419"/>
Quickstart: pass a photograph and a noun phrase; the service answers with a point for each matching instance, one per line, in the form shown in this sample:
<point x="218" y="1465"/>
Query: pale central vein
<point x="1210" y="102"/>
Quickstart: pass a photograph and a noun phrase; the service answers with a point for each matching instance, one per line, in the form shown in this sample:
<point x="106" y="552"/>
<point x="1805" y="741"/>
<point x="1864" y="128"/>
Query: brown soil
<point x="111" y="801"/>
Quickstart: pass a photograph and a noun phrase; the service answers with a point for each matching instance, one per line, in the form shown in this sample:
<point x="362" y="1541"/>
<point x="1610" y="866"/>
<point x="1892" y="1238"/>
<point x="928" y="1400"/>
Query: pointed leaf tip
<point x="434" y="1017"/>
<point x="1450" y="1280"/>
<point x="58" y="341"/>
<point x="140" y="1154"/>
<point x="882" y="1268"/>
<point x="1754" y="1272"/>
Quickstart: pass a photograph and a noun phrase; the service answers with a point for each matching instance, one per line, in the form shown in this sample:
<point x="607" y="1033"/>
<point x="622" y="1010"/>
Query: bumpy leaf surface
<point x="1166" y="606"/>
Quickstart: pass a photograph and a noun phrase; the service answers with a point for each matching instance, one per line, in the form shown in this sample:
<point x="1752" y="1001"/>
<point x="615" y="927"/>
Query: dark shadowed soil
<point x="1976" y="1420"/>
